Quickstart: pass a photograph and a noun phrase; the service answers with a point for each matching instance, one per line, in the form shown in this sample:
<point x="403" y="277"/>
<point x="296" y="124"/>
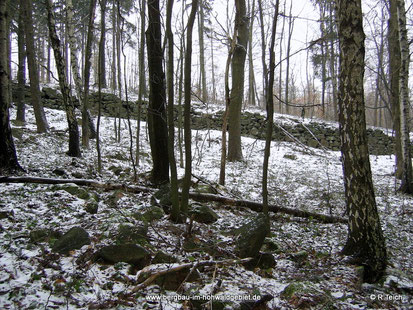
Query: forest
<point x="206" y="154"/>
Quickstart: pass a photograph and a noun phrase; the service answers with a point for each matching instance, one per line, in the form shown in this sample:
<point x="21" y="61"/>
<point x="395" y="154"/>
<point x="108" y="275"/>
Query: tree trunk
<point x="270" y="113"/>
<point x="394" y="71"/>
<point x="365" y="238"/>
<point x="21" y="73"/>
<point x="8" y="157"/>
<point x="201" y="30"/>
<point x="406" y="177"/>
<point x="238" y="72"/>
<point x="171" y="129"/>
<point x="102" y="59"/>
<point x="41" y="121"/>
<point x="187" y="109"/>
<point x="157" y="123"/>
<point x="86" y="119"/>
<point x="74" y="147"/>
<point x="287" y="65"/>
<point x="141" y="77"/>
<point x="251" y="75"/>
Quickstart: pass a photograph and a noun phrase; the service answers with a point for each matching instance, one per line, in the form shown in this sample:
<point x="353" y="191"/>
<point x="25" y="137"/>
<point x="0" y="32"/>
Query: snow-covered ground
<point x="33" y="277"/>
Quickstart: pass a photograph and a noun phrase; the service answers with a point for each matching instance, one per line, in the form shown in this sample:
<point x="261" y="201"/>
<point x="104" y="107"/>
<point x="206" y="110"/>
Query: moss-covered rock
<point x="127" y="253"/>
<point x="262" y="261"/>
<point x="251" y="236"/>
<point x="153" y="213"/>
<point x="163" y="258"/>
<point x="91" y="206"/>
<point x="128" y="233"/>
<point x="44" y="235"/>
<point x="162" y="196"/>
<point x="74" y="190"/>
<point x="173" y="280"/>
<point x="306" y="295"/>
<point x="74" y="239"/>
<point x="203" y="214"/>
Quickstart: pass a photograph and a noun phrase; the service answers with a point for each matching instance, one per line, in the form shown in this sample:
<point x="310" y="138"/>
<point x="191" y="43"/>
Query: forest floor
<point x="309" y="272"/>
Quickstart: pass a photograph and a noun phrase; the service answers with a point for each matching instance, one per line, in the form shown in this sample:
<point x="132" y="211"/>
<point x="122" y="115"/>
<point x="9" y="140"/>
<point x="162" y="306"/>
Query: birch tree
<point x="365" y="240"/>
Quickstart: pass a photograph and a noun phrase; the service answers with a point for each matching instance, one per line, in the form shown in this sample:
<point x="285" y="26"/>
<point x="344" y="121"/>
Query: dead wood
<point x="255" y="206"/>
<point x="192" y="267"/>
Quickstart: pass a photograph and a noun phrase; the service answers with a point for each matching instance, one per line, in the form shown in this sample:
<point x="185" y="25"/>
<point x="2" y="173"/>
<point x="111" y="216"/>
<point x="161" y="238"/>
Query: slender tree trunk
<point x="98" y="149"/>
<point x="102" y="61"/>
<point x="48" y="75"/>
<point x="157" y="123"/>
<point x="237" y="91"/>
<point x="407" y="176"/>
<point x="187" y="109"/>
<point x="8" y="157"/>
<point x="270" y="113"/>
<point x="365" y="238"/>
<point x="201" y="30"/>
<point x="251" y="76"/>
<point x="114" y="85"/>
<point x="86" y="118"/>
<point x="287" y="65"/>
<point x="214" y="89"/>
<point x="21" y="74"/>
<point x="171" y="129"/>
<point x="141" y="77"/>
<point x="333" y="75"/>
<point x="323" y="61"/>
<point x="39" y="114"/>
<point x="395" y="65"/>
<point x="74" y="147"/>
<point x="226" y="112"/>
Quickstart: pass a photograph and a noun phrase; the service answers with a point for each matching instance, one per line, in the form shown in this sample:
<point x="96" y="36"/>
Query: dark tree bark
<point x="238" y="73"/>
<point x="269" y="98"/>
<point x="141" y="77"/>
<point x="102" y="42"/>
<point x="187" y="109"/>
<point x="406" y="175"/>
<point x="41" y="121"/>
<point x="171" y="128"/>
<point x="395" y="66"/>
<point x="21" y="73"/>
<point x="86" y="118"/>
<point x="365" y="238"/>
<point x="8" y="157"/>
<point x="74" y="147"/>
<point x="157" y="124"/>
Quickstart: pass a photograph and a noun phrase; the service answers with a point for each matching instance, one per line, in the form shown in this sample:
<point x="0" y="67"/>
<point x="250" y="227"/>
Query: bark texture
<point x="41" y="121"/>
<point x="365" y="238"/>
<point x="74" y="147"/>
<point x="8" y="158"/>
<point x="157" y="123"/>
<point x="238" y="73"/>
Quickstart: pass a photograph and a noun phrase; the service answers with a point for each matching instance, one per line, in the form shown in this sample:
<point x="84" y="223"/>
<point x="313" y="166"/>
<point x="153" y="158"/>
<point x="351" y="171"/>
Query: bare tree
<point x="8" y="157"/>
<point x="171" y="128"/>
<point x="187" y="109"/>
<point x="157" y="124"/>
<point x="238" y="73"/>
<point x="269" y="96"/>
<point x="74" y="147"/>
<point x="40" y="116"/>
<point x="365" y="238"/>
<point x="21" y="74"/>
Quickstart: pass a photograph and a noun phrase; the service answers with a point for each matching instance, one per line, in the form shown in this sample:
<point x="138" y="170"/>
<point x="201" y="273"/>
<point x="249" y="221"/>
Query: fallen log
<point x="156" y="274"/>
<point x="255" y="206"/>
<point x="81" y="182"/>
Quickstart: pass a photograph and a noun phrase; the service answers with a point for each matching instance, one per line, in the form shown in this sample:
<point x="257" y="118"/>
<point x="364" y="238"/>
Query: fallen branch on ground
<point x="192" y="266"/>
<point x="255" y="206"/>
